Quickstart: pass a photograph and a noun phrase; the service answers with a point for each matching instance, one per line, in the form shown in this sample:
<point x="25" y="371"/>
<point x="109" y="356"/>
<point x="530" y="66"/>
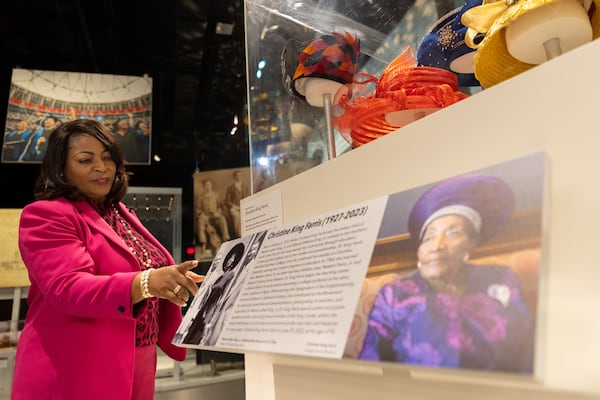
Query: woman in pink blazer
<point x="104" y="292"/>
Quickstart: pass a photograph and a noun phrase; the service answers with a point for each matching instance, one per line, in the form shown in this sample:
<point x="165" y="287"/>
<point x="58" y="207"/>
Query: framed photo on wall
<point x="217" y="196"/>
<point x="40" y="101"/>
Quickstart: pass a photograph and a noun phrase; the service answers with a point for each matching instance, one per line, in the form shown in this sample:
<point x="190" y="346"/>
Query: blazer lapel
<point x="98" y="224"/>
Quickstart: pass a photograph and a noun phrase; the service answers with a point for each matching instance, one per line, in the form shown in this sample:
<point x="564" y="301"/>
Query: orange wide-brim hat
<point x="403" y="86"/>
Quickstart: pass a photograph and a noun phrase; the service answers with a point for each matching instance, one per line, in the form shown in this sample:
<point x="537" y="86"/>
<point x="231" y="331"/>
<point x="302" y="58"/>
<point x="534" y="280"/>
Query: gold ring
<point x="177" y="289"/>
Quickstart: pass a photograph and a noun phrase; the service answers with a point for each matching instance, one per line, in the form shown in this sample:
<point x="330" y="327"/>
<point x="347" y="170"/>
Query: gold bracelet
<point x="144" y="279"/>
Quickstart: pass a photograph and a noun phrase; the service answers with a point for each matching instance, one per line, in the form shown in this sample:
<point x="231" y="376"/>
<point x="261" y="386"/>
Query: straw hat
<point x="493" y="62"/>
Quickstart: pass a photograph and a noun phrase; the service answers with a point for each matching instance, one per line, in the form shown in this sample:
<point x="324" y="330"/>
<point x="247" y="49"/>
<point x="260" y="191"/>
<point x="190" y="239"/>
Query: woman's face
<point x="89" y="167"/>
<point x="49" y="123"/>
<point x="123" y="124"/>
<point x="444" y="246"/>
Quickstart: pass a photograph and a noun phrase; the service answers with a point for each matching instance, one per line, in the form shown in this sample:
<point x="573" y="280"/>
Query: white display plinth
<point x="551" y="108"/>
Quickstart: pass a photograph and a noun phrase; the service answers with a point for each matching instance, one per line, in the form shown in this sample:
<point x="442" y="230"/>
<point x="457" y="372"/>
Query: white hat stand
<point x="548" y="31"/>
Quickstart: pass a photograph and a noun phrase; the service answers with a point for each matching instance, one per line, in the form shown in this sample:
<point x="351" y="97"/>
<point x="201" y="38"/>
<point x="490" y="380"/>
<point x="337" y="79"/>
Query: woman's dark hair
<point x="51" y="182"/>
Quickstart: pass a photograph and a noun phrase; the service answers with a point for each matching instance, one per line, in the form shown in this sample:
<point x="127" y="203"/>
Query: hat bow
<point x="481" y="18"/>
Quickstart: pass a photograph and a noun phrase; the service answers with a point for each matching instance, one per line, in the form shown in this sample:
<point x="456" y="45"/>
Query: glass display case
<point x="288" y="133"/>
<point x="159" y="209"/>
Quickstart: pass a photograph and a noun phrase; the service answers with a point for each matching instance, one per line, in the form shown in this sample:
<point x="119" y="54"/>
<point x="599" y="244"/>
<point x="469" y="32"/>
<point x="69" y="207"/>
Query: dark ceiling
<point x="195" y="59"/>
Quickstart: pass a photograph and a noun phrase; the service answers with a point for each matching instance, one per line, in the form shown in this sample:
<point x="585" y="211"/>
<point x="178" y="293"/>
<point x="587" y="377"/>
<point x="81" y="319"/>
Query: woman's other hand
<point x="174" y="283"/>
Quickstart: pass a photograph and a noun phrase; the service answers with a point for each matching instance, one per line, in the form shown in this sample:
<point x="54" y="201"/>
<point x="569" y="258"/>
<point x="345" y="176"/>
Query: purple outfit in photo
<point x="488" y="327"/>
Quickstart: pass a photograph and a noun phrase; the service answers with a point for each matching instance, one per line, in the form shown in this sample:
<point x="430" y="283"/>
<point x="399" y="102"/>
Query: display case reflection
<point x="289" y="135"/>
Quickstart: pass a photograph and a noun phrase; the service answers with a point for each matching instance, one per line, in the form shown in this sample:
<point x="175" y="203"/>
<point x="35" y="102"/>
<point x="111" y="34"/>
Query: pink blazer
<point x="79" y="338"/>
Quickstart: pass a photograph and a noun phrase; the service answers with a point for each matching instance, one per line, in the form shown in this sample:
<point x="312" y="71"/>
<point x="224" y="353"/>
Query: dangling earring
<point x="419" y="264"/>
<point x="466" y="257"/>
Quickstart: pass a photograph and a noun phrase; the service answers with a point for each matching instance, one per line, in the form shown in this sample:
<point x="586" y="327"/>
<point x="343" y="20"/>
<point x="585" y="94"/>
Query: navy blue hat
<point x="445" y="43"/>
<point x="486" y="201"/>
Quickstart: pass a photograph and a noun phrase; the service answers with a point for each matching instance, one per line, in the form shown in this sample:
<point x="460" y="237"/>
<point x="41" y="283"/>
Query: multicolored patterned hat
<point x="333" y="57"/>
<point x="444" y="46"/>
<point x="486" y="201"/>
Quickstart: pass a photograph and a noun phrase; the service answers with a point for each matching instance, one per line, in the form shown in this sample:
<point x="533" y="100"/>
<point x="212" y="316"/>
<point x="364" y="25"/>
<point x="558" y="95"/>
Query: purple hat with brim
<point x="487" y="201"/>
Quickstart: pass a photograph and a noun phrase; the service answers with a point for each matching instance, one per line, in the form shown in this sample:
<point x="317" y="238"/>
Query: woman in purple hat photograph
<point x="450" y="312"/>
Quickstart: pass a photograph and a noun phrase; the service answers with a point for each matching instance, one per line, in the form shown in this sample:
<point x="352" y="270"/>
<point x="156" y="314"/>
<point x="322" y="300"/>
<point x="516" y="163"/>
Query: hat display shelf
<point x="548" y="31"/>
<point x="324" y="67"/>
<point x="502" y="122"/>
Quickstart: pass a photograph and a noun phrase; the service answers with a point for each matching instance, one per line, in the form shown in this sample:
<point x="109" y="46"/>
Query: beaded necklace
<point x="139" y="251"/>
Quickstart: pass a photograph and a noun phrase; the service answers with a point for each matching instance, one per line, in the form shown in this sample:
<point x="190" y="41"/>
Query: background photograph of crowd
<point x="40" y="101"/>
